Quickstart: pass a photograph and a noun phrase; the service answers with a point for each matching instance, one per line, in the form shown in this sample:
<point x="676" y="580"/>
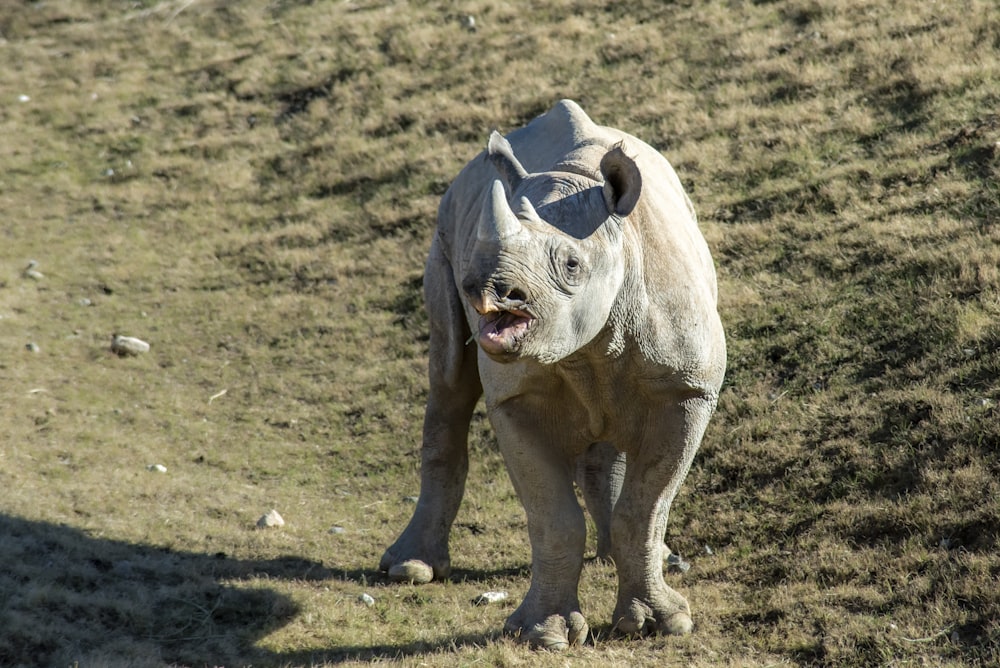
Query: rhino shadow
<point x="67" y="597"/>
<point x="380" y="652"/>
<point x="70" y="598"/>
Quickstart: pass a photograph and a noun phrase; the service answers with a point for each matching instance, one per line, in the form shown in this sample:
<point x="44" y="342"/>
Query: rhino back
<point x="540" y="145"/>
<point x="566" y="139"/>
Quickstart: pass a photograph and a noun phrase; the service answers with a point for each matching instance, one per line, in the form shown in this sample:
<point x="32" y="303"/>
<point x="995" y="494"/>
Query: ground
<point x="251" y="187"/>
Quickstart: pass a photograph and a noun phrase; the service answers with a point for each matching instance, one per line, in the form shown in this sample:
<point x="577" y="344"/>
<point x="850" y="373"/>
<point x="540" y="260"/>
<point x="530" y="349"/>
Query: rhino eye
<point x="568" y="266"/>
<point x="572" y="269"/>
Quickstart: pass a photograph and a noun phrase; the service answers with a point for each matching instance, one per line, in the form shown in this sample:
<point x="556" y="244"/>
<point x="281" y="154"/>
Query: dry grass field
<point x="251" y="188"/>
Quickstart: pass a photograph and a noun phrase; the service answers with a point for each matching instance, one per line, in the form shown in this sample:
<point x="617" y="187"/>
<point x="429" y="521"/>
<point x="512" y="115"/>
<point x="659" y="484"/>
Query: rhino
<point x="568" y="283"/>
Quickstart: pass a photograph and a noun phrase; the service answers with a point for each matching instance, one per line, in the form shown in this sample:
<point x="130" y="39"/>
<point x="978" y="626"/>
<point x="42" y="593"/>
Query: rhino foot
<point x="414" y="569"/>
<point x="553" y="633"/>
<point x="640" y="618"/>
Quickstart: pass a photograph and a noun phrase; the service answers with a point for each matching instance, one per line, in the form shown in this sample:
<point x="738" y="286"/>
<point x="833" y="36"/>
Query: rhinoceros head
<point x="547" y="264"/>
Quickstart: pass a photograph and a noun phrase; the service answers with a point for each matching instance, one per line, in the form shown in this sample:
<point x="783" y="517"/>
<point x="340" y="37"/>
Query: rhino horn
<point x="498" y="222"/>
<point x="501" y="154"/>
<point x="528" y="209"/>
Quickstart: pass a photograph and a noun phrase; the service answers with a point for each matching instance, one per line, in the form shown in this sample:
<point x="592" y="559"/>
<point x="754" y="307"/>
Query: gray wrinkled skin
<point x="569" y="284"/>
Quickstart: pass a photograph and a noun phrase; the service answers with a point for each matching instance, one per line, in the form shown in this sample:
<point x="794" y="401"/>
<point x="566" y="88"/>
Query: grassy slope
<point x="251" y="188"/>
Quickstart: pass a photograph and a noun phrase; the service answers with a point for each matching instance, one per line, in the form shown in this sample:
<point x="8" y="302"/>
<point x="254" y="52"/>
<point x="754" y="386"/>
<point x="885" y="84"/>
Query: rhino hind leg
<point x="599" y="474"/>
<point x="654" y="473"/>
<point x="421" y="554"/>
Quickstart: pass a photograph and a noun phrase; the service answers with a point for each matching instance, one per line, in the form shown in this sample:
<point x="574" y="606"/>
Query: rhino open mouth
<point x="500" y="332"/>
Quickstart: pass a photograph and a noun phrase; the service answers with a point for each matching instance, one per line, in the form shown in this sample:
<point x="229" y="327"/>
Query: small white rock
<point x="158" y="468"/>
<point x="367" y="600"/>
<point x="488" y="597"/>
<point x="469" y="23"/>
<point x="32" y="348"/>
<point x="24" y="98"/>
<point x="336" y="530"/>
<point x="676" y="561"/>
<point x="271" y="519"/>
<point x="128" y="345"/>
<point x="410" y="499"/>
<point x="31" y="272"/>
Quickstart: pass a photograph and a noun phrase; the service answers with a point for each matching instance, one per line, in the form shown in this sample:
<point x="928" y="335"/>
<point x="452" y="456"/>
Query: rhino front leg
<point x="420" y="554"/>
<point x="549" y="617"/>
<point x="656" y="467"/>
<point x="599" y="473"/>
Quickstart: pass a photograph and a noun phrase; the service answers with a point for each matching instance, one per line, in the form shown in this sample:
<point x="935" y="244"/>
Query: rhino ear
<point x="622" y="181"/>
<point x="500" y="153"/>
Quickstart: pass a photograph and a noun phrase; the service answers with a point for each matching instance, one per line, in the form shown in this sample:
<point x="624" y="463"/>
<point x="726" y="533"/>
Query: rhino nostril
<point x="515" y="295"/>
